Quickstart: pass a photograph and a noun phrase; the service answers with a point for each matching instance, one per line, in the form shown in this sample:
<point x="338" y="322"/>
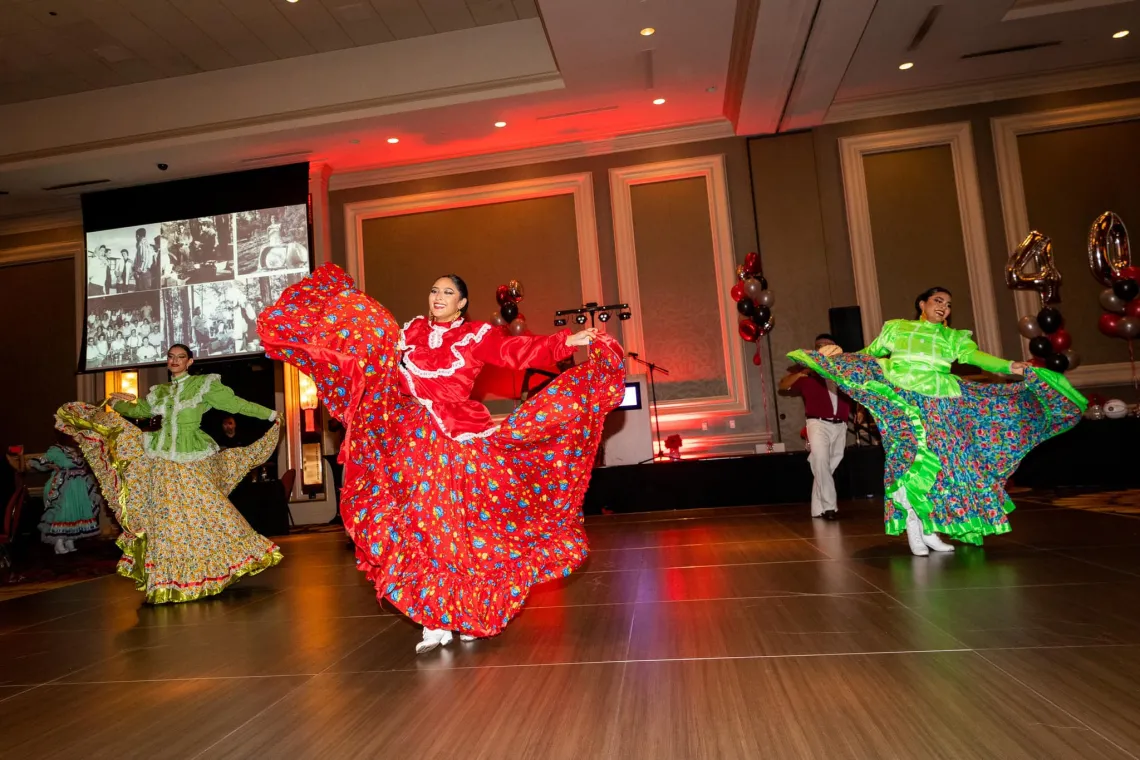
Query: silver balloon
<point x="1108" y="248"/>
<point x="753" y="288"/>
<point x="1109" y="301"/>
<point x="1073" y="357"/>
<point x="517" y="327"/>
<point x="1128" y="327"/>
<point x="1036" y="254"/>
<point x="497" y="319"/>
<point x="766" y="299"/>
<point x="1028" y="327"/>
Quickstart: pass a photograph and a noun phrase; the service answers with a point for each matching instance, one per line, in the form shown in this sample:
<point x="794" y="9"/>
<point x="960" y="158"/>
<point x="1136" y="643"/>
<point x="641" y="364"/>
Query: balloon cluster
<point x="1110" y="261"/>
<point x="1031" y="267"/>
<point x="508" y="315"/>
<point x="753" y="300"/>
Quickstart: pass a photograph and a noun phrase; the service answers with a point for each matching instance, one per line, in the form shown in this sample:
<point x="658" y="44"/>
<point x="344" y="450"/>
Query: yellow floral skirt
<point x="182" y="538"/>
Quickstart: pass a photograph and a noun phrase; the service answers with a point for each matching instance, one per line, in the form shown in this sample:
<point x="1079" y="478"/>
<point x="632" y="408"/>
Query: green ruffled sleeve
<point x="966" y="352"/>
<point x="884" y="343"/>
<point x="219" y="396"/>
<point x="139" y="410"/>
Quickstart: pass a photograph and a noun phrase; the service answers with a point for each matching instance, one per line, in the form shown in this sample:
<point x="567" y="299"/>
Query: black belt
<point x="836" y="420"/>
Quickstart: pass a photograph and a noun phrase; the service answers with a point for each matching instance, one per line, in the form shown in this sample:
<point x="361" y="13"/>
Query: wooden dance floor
<point x="733" y="633"/>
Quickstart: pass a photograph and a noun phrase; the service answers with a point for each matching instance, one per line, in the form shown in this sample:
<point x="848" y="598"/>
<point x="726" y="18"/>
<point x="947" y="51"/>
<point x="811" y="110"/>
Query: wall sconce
<point x="312" y="460"/>
<point x="129" y="382"/>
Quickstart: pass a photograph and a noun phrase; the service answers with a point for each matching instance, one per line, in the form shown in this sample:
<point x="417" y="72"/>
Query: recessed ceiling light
<point x="659" y="102"/>
<point x="393" y="140"/>
<point x="500" y="124"/>
<point x="290" y="1"/>
<point x="711" y="89"/>
<point x="907" y="65"/>
<point x="648" y="31"/>
<point x="1120" y="35"/>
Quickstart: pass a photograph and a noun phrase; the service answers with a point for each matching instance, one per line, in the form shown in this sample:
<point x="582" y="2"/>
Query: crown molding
<point x="712" y="130"/>
<point x="29" y="254"/>
<point x="52" y="220"/>
<point x="982" y="92"/>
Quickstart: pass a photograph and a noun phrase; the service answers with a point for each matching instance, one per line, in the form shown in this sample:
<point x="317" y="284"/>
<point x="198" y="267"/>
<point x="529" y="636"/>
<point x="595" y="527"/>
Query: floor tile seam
<point x="255" y="716"/>
<point x="1047" y="700"/>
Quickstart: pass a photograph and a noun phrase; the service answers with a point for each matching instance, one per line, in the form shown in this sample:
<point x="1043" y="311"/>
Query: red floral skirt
<point x="453" y="534"/>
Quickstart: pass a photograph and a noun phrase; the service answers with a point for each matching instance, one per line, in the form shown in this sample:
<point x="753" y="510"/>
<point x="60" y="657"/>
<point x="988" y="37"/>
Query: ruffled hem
<point x="476" y="589"/>
<point x="80" y="529"/>
<point x="133" y="565"/>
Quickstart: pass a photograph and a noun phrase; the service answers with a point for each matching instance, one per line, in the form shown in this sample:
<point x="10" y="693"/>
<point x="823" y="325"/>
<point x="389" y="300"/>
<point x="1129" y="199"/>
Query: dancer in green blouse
<point x="950" y="444"/>
<point x="182" y="538"/>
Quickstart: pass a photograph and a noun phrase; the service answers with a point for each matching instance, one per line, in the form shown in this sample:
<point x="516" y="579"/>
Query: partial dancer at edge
<point x="454" y="518"/>
<point x="950" y="445"/>
<point x="182" y="538"/>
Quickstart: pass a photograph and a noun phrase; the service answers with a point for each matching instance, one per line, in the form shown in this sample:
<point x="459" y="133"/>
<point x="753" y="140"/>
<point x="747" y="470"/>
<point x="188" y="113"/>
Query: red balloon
<point x="1061" y="340"/>
<point x="756" y="359"/>
<point x="752" y="264"/>
<point x="1108" y="323"/>
<point x="1037" y="361"/>
<point x="1129" y="273"/>
<point x="749" y="330"/>
<point x="503" y="295"/>
<point x="1133" y="308"/>
<point x="738" y="292"/>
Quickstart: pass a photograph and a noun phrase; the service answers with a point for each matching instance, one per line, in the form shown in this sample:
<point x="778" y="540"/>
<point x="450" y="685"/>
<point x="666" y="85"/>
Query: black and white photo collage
<point x="200" y="281"/>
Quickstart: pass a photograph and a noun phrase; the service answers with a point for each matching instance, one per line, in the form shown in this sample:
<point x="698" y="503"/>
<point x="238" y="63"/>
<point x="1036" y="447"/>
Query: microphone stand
<point x="653" y="368"/>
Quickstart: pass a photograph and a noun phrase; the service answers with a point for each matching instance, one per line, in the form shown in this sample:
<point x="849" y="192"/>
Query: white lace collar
<point x="435" y="335"/>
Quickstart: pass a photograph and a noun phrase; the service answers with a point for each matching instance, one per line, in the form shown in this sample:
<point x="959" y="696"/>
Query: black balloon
<point x="746" y="306"/>
<point x="1057" y="362"/>
<point x="761" y="315"/>
<point x="1050" y="320"/>
<point x="1126" y="290"/>
<point x="763" y="283"/>
<point x="509" y="311"/>
<point x="1040" y="347"/>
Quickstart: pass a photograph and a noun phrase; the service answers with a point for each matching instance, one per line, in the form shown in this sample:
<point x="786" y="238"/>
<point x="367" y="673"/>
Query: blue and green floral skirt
<point x="953" y="455"/>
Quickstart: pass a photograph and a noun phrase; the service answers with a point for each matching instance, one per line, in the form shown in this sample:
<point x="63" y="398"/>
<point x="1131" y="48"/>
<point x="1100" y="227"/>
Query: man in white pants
<point x="827" y="411"/>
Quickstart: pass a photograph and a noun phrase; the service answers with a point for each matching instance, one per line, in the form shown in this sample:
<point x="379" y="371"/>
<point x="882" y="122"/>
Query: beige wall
<point x="803" y="229"/>
<point x="676" y="275"/>
<point x="665" y="214"/>
<point x="37" y="309"/>
<point x="1072" y="176"/>
<point x="917" y="230"/>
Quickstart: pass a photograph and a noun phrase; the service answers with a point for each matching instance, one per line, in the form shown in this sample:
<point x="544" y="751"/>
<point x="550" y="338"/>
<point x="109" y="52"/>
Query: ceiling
<point x="57" y="47"/>
<point x="220" y="85"/>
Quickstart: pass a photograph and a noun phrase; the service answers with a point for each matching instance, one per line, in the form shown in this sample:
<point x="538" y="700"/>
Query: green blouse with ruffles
<point x="181" y="404"/>
<point x="916" y="355"/>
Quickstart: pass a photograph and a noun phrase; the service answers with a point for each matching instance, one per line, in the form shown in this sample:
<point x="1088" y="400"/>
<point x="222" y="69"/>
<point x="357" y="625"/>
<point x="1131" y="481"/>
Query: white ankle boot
<point x="60" y="548"/>
<point x="433" y="637"/>
<point x="69" y="544"/>
<point x="914" y="535"/>
<point x="935" y="542"/>
<point x="467" y="637"/>
<point x="921" y="543"/>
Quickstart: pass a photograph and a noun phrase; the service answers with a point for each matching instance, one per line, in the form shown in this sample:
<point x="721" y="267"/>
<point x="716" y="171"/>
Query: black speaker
<point x="847" y="327"/>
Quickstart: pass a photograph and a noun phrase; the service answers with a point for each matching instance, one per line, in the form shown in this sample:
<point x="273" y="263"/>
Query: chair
<point x="11" y="522"/>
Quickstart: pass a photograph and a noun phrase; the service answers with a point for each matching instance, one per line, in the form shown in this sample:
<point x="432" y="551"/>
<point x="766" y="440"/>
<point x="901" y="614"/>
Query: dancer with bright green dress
<point x="950" y="444"/>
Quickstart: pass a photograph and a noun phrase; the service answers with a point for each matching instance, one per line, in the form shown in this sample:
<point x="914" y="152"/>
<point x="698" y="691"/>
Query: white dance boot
<point x="69" y="544"/>
<point x="433" y="637"/>
<point x="935" y="542"/>
<point x="467" y="637"/>
<point x="914" y="535"/>
<point x="921" y="544"/>
<point x="60" y="547"/>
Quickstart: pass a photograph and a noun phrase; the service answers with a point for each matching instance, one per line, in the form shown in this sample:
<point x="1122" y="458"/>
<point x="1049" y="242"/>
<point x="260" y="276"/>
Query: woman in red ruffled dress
<point x="454" y="518"/>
